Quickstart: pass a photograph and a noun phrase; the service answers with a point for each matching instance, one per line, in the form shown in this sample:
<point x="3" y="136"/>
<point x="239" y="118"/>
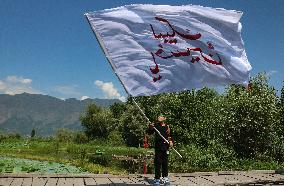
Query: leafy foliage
<point x="132" y="126"/>
<point x="97" y="121"/>
<point x="117" y="109"/>
<point x="250" y="118"/>
<point x="247" y="123"/>
<point x="33" y="133"/>
<point x="16" y="165"/>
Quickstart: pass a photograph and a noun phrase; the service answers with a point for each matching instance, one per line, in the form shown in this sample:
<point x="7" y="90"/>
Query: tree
<point x="250" y="118"/>
<point x="148" y="104"/>
<point x="33" y="133"/>
<point x="278" y="146"/>
<point x="97" y="122"/>
<point x="64" y="135"/>
<point x="281" y="112"/>
<point x="179" y="111"/>
<point x="133" y="127"/>
<point x="205" y="127"/>
<point x="117" y="109"/>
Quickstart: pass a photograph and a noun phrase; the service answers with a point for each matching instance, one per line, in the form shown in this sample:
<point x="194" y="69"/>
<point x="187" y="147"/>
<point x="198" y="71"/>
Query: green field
<point x="51" y="156"/>
<point x="92" y="157"/>
<point x="18" y="165"/>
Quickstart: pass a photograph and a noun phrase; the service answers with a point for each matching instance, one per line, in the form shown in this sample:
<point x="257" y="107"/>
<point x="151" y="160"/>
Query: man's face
<point x="161" y="118"/>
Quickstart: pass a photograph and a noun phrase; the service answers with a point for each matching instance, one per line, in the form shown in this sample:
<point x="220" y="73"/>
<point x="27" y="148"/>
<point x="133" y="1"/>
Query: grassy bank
<point x="18" y="165"/>
<point x="92" y="157"/>
<point x="97" y="157"/>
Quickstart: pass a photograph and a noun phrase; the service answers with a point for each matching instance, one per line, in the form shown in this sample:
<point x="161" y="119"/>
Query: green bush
<point x="196" y="158"/>
<point x="250" y="119"/>
<point x="133" y="127"/>
<point x="9" y="136"/>
<point x="64" y="135"/>
<point x="97" y="122"/>
<point x="104" y="160"/>
<point x="80" y="137"/>
<point x="115" y="139"/>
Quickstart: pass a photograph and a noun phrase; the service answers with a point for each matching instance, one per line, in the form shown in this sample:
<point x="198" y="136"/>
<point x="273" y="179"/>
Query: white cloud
<point x="67" y="90"/>
<point x="16" y="85"/>
<point x="109" y="90"/>
<point x="84" y="97"/>
<point x="16" y="79"/>
<point x="271" y="72"/>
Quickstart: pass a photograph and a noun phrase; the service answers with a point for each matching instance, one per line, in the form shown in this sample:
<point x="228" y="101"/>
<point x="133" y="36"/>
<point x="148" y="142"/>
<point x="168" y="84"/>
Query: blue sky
<point x="48" y="47"/>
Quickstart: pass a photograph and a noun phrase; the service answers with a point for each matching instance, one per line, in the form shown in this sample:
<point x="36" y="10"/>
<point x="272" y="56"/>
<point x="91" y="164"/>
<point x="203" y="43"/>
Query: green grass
<point x="17" y="165"/>
<point x="15" y="153"/>
<point x="79" y="155"/>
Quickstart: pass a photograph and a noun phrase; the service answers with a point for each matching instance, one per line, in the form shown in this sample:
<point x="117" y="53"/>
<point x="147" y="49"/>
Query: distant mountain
<point x="22" y="112"/>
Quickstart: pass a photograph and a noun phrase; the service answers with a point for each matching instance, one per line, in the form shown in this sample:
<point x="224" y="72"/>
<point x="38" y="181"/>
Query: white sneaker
<point x="166" y="181"/>
<point x="156" y="182"/>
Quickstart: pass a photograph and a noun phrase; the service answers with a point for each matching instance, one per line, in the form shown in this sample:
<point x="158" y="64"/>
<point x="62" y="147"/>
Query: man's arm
<point x="170" y="139"/>
<point x="150" y="129"/>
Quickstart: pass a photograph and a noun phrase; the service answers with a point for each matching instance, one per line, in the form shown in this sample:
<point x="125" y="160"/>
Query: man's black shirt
<point x="160" y="144"/>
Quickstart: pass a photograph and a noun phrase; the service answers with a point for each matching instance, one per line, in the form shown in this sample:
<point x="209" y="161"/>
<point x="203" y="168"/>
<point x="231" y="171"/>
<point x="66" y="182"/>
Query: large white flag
<point x="161" y="48"/>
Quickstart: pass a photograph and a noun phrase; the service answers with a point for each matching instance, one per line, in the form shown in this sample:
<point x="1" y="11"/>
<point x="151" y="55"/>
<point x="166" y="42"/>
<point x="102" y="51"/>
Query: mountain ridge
<point x="21" y="113"/>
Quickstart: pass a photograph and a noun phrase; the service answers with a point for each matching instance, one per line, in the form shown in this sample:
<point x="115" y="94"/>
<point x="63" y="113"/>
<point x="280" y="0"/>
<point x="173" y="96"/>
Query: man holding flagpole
<point x="161" y="149"/>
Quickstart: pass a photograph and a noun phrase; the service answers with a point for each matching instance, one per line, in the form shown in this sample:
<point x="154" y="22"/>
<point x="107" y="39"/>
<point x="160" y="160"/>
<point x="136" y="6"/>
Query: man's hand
<point x="151" y="126"/>
<point x="171" y="144"/>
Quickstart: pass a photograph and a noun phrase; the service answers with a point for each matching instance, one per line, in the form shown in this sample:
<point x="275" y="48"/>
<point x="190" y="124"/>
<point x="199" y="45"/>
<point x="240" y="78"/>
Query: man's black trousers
<point x="161" y="161"/>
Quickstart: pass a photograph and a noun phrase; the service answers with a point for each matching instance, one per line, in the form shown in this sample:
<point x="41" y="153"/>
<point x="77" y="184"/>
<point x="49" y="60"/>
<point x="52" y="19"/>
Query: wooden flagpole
<point x="100" y="41"/>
